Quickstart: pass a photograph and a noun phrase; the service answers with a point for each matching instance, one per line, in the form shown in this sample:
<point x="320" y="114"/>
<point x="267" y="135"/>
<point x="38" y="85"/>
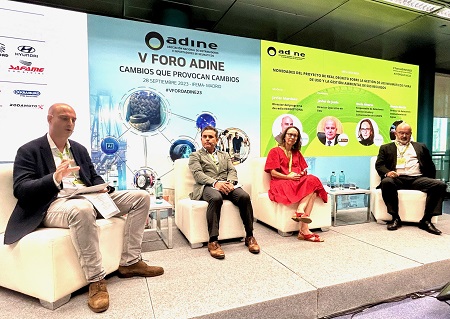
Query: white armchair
<point x="44" y="263"/>
<point x="411" y="203"/>
<point x="190" y="215"/>
<point x="279" y="215"/>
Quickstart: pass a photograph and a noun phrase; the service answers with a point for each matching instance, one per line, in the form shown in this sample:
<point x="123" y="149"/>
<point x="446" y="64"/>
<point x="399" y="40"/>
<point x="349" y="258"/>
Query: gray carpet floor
<point x="421" y="305"/>
<point x="357" y="265"/>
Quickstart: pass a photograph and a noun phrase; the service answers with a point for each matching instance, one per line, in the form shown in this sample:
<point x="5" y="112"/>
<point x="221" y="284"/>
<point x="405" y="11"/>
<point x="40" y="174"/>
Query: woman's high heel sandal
<point x="301" y="217"/>
<point x="309" y="237"/>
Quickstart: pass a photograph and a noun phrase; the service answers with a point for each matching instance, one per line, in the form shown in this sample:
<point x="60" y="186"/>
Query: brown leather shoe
<point x="98" y="296"/>
<point x="139" y="269"/>
<point x="215" y="250"/>
<point x="252" y="245"/>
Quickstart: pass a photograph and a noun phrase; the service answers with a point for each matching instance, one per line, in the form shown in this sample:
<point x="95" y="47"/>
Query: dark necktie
<point x="329" y="143"/>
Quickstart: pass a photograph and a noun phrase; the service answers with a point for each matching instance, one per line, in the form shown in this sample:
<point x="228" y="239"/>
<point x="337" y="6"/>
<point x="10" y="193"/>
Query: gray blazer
<point x="206" y="172"/>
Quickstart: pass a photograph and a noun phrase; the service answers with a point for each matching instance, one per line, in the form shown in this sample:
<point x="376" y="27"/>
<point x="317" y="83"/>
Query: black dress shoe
<point x="429" y="227"/>
<point x="394" y="224"/>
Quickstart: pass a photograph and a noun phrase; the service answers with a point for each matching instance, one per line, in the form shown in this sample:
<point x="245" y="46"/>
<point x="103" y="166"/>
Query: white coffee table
<point x="164" y="233"/>
<point x="335" y="193"/>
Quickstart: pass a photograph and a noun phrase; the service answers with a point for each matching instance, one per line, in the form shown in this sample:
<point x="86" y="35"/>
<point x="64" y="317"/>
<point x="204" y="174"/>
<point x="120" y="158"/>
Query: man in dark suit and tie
<point x="45" y="169"/>
<point x="216" y="178"/>
<point x="329" y="135"/>
<point x="404" y="164"/>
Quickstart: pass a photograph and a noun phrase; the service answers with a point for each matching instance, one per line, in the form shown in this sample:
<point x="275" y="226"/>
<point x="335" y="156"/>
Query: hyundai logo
<point x="26" y="49"/>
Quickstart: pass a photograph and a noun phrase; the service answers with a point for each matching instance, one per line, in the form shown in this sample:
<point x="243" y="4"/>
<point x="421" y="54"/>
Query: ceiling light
<point x="416" y="5"/>
<point x="443" y="13"/>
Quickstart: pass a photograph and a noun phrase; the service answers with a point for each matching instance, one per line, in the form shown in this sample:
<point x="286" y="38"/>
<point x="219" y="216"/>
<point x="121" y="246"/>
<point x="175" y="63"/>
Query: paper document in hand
<point x="90" y="189"/>
<point x="103" y="203"/>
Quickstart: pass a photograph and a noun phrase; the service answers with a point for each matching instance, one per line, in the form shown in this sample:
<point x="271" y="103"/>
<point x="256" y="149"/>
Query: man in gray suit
<point x="216" y="180"/>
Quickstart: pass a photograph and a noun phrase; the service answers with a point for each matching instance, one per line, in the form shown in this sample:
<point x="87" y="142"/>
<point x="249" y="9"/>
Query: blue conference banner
<point x="153" y="88"/>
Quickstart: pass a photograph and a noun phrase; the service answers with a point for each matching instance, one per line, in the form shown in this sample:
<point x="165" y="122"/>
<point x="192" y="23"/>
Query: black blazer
<point x="323" y="139"/>
<point x="387" y="159"/>
<point x="34" y="187"/>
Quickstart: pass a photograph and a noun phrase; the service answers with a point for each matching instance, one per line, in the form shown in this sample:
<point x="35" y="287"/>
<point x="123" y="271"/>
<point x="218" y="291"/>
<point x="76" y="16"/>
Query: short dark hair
<point x="298" y="143"/>
<point x="210" y="128"/>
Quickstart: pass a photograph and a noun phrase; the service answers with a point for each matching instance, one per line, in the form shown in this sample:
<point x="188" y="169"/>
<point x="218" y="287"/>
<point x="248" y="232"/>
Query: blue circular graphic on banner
<point x="181" y="148"/>
<point x="204" y="120"/>
<point x="109" y="145"/>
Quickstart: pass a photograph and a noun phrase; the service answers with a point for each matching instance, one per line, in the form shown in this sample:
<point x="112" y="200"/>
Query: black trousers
<point x="434" y="188"/>
<point x="238" y="197"/>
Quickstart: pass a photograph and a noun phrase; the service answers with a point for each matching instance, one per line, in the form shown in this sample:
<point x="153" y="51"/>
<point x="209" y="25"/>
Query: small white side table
<point x="335" y="193"/>
<point x="157" y="208"/>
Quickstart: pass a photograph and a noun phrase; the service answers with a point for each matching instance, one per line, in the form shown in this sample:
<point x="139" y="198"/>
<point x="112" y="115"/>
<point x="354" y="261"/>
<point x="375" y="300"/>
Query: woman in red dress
<point x="290" y="182"/>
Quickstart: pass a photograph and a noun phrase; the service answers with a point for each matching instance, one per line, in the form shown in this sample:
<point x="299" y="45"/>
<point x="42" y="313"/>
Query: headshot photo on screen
<point x="328" y="131"/>
<point x="392" y="129"/>
<point x="365" y="132"/>
<point x="285" y="121"/>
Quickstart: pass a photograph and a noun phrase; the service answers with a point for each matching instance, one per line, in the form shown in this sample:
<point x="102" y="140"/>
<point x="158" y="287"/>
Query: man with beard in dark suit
<point x="404" y="164"/>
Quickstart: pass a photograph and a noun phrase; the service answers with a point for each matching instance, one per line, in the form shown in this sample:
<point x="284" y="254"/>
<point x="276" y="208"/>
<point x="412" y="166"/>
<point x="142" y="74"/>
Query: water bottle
<point x="158" y="191"/>
<point x="333" y="180"/>
<point x="113" y="176"/>
<point x="341" y="180"/>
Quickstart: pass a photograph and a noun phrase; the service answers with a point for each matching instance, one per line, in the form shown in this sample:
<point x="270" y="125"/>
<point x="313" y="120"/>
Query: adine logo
<point x="286" y="54"/>
<point x="271" y="51"/>
<point x="3" y="50"/>
<point x="26" y="93"/>
<point x="155" y="41"/>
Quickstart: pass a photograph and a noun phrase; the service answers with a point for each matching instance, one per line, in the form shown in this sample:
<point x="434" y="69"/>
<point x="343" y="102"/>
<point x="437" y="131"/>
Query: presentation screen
<point x="344" y="105"/>
<point x="153" y="89"/>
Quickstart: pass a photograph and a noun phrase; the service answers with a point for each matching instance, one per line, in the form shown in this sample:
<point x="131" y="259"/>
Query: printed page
<point x="87" y="190"/>
<point x="103" y="203"/>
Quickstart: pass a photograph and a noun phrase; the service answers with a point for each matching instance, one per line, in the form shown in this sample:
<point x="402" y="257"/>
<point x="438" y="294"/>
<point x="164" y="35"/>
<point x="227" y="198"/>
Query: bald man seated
<point x="49" y="167"/>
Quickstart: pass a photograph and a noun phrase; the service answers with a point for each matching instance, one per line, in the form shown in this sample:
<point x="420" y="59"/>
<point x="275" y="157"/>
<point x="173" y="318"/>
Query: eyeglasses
<point x="365" y="129"/>
<point x="291" y="135"/>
